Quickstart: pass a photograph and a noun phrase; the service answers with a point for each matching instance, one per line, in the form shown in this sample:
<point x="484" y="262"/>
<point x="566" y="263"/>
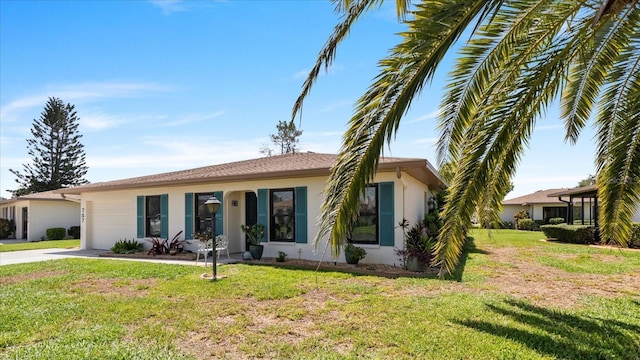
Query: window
<point x="365" y="228"/>
<point x="202" y="214"/>
<point x="152" y="216"/>
<point x="283" y="220"/>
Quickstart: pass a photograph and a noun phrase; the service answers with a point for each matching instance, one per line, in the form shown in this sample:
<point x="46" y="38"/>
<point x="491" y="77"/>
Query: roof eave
<point x="418" y="168"/>
<point x="202" y="180"/>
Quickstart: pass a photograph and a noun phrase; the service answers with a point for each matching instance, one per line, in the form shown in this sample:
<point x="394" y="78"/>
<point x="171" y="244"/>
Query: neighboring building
<point x="35" y="213"/>
<point x="284" y="193"/>
<point x="554" y="203"/>
<point x="543" y="205"/>
<point x="539" y="205"/>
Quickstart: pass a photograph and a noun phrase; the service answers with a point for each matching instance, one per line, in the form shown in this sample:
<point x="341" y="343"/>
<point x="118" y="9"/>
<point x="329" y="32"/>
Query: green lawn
<point x="49" y="244"/>
<point x="508" y="302"/>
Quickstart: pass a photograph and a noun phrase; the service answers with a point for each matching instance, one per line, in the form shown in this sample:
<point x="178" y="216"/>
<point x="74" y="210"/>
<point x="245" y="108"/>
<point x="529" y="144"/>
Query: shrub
<point x="127" y="246"/>
<point x="520" y="215"/>
<point x="353" y="254"/>
<point x="7" y="227"/>
<point x="634" y="241"/>
<point x="525" y="224"/>
<point x="56" y="233"/>
<point x="556" y="221"/>
<point x="537" y="224"/>
<point x="74" y="232"/>
<point x="575" y="234"/>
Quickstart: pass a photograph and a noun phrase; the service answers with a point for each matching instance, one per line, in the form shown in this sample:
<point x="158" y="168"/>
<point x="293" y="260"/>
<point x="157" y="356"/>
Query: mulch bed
<point x="382" y="270"/>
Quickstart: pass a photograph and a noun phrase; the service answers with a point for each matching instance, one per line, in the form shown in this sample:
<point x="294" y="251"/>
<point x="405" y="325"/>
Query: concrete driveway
<point x="27" y="256"/>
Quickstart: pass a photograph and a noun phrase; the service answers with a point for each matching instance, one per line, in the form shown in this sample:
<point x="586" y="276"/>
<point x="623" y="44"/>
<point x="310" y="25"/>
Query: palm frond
<point x="486" y="53"/>
<point x="618" y="160"/>
<point x="352" y="9"/>
<point x="588" y="76"/>
<point x="512" y="97"/>
<point x="412" y="63"/>
<point x="402" y="6"/>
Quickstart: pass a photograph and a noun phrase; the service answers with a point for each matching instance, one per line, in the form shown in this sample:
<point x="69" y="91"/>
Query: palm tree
<point x="521" y="57"/>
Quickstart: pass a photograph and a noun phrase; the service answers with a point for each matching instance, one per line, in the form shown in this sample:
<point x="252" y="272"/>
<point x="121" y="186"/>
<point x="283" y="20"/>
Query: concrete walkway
<point x="27" y="256"/>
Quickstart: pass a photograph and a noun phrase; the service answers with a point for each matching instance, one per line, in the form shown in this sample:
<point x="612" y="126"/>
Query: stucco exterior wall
<point x="508" y="211"/>
<point x="111" y="215"/>
<point x="48" y="214"/>
<point x="44" y="214"/>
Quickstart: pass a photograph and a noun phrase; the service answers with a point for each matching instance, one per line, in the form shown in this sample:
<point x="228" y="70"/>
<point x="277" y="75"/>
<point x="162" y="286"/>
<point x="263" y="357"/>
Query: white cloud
<point x="335" y="105"/>
<point x="75" y="93"/>
<point x="170" y="6"/>
<point x="4" y="140"/>
<point x="549" y="127"/>
<point x="192" y="118"/>
<point x="431" y="140"/>
<point x="14" y="163"/>
<point x="98" y="121"/>
<point x="176" y="154"/>
<point x="301" y="74"/>
<point x="429" y="116"/>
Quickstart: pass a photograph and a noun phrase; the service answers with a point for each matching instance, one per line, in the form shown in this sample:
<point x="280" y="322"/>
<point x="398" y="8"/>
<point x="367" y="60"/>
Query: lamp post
<point x="213" y="205"/>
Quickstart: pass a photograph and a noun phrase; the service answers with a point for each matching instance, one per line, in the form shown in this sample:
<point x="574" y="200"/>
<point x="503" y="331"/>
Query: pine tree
<point x="58" y="157"/>
<point x="286" y="139"/>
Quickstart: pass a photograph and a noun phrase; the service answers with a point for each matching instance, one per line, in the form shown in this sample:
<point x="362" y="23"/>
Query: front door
<point x="25" y="222"/>
<point x="251" y="212"/>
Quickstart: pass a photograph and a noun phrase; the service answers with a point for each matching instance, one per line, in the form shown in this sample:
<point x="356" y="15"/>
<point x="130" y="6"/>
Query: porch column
<point x="596" y="228"/>
<point x="570" y="210"/>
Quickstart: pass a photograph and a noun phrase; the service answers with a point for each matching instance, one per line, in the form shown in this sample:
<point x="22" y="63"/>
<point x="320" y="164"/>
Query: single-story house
<point x="33" y="214"/>
<point x="541" y="205"/>
<point x="284" y="193"/>
<point x="554" y="203"/>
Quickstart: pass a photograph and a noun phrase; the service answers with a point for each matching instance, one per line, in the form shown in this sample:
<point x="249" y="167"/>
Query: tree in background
<point x="519" y="57"/>
<point x="58" y="158"/>
<point x="590" y="180"/>
<point x="286" y="139"/>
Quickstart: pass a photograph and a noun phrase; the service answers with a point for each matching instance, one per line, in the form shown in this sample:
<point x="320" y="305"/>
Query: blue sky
<point x="170" y="85"/>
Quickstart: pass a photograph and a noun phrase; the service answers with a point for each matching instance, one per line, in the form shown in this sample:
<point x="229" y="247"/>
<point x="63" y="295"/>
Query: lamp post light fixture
<point x="213" y="205"/>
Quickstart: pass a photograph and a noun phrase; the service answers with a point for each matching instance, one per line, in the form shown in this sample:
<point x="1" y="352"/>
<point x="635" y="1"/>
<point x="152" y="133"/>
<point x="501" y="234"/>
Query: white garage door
<point x="109" y="222"/>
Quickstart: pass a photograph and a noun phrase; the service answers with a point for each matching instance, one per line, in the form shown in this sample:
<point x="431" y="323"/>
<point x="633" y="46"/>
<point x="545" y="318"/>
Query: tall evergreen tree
<point x="58" y="158"/>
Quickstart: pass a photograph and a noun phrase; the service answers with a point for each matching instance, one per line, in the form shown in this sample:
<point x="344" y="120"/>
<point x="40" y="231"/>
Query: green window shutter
<point x="164" y="216"/>
<point x="386" y="215"/>
<point x="263" y="212"/>
<point x="219" y="214"/>
<point x="188" y="216"/>
<point x="140" y="212"/>
<point x="301" y="214"/>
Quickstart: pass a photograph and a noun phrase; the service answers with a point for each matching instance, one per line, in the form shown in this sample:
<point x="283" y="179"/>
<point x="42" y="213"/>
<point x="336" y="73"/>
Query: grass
<point x="49" y="244"/>
<point x="108" y="309"/>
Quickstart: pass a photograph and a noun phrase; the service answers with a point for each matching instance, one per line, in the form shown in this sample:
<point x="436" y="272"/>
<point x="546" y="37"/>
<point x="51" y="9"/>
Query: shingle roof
<point x="272" y="167"/>
<point x="538" y="197"/>
<point x="45" y="195"/>
<point x="589" y="189"/>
